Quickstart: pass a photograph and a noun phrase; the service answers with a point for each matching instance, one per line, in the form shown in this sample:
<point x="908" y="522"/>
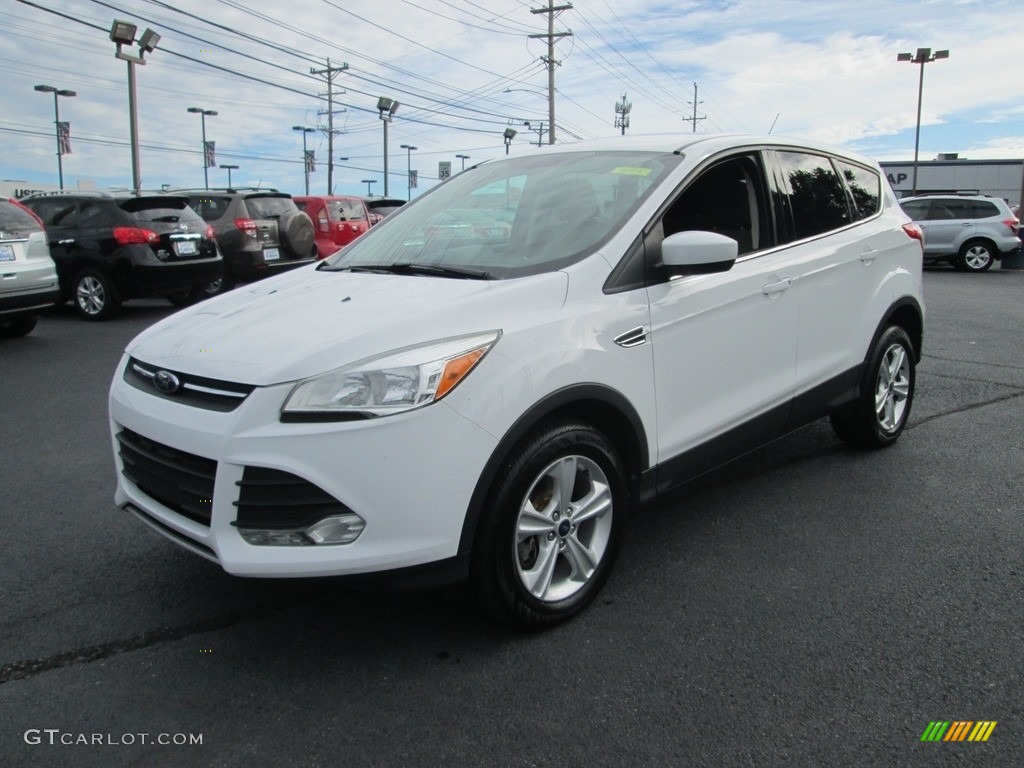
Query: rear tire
<point x="878" y="417"/>
<point x="552" y="527"/>
<point x="18" y="327"/>
<point x="975" y="256"/>
<point x="94" y="295"/>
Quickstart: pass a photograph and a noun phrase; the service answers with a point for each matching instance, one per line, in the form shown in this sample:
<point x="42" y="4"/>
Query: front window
<point x="515" y="217"/>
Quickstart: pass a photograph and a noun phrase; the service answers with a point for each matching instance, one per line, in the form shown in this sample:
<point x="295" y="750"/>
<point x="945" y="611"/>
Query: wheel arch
<point x="909" y="315"/>
<point x="602" y="407"/>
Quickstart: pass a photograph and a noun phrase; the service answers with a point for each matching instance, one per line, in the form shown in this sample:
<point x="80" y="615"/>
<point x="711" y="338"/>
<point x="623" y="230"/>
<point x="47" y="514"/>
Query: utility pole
<point x="622" y="109"/>
<point x="329" y="74"/>
<point x="551" y="36"/>
<point x="695" y="119"/>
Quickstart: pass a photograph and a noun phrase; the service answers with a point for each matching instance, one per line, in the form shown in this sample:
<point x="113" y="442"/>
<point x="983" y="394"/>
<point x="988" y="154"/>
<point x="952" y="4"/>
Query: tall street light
<point x="229" y="169"/>
<point x="510" y="133"/>
<point x="203" y="113"/>
<point x="56" y="122"/>
<point x="922" y="57"/>
<point x="123" y="33"/>
<point x="408" y="170"/>
<point x="305" y="155"/>
<point x="387" y="108"/>
<point x="368" y="182"/>
<point x="463" y="158"/>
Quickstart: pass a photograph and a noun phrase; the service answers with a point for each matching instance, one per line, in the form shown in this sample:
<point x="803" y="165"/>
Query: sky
<point x="465" y="70"/>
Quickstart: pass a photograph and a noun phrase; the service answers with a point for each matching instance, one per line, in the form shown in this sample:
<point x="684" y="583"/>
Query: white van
<point x="490" y="381"/>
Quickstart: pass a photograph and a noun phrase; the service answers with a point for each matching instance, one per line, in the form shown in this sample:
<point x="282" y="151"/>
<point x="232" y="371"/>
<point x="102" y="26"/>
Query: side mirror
<point x="698" y="253"/>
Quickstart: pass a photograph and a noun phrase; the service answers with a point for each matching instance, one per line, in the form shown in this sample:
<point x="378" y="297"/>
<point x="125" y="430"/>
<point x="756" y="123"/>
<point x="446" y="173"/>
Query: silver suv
<point x="969" y="231"/>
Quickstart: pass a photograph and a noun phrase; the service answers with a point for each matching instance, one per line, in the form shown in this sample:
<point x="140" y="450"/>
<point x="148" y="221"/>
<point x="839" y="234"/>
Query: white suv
<point x="496" y="400"/>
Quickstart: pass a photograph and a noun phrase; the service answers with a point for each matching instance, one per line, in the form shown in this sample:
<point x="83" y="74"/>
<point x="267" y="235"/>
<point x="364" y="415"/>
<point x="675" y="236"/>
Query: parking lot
<point x="806" y="605"/>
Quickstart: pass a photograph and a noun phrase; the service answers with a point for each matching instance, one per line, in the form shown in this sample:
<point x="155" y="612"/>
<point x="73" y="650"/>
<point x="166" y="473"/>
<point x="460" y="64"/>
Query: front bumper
<point x="410" y="477"/>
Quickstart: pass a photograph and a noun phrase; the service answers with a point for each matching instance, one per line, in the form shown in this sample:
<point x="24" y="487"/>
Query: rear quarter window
<point x="980" y="209"/>
<point x="865" y="188"/>
<point x="816" y="195"/>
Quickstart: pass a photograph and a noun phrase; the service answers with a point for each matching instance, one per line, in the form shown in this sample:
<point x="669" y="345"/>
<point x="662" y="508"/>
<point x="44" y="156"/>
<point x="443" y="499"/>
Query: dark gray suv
<point x="969" y="231"/>
<point x="261" y="232"/>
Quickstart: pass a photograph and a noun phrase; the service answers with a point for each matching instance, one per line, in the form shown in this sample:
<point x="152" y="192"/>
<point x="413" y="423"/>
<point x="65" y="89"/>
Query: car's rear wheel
<point x="552" y="527"/>
<point x="975" y="256"/>
<point x="94" y="295"/>
<point x="887" y="391"/>
<point x="19" y="326"/>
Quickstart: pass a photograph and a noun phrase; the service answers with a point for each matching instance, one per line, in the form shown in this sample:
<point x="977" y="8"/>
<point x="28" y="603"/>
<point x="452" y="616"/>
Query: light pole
<point x="123" y="33"/>
<point x="387" y="108"/>
<point x="408" y="170"/>
<point x="229" y="169"/>
<point x="56" y="122"/>
<point x="923" y="56"/>
<point x="305" y="156"/>
<point x="368" y="182"/>
<point x="510" y="133"/>
<point x="202" y="117"/>
<point x="463" y="158"/>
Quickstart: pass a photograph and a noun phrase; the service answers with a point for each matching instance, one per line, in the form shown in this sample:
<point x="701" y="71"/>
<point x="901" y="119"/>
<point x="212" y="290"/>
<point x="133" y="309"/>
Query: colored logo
<point x="958" y="730"/>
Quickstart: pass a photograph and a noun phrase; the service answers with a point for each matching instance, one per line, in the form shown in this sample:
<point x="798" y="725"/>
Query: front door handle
<point x="65" y="242"/>
<point x="773" y="288"/>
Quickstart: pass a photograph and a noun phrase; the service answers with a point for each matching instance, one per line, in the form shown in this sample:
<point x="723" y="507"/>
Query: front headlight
<point x="390" y="383"/>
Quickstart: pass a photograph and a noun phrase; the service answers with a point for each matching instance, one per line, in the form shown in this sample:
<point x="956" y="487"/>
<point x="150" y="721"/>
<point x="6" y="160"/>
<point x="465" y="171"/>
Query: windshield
<point x="512" y="218"/>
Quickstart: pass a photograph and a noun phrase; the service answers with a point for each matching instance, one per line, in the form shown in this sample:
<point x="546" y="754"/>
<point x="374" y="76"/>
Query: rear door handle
<point x="65" y="242"/>
<point x="772" y="288"/>
<point x="869" y="254"/>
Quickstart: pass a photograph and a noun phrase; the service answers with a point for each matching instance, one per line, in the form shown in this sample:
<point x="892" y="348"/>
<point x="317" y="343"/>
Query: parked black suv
<point x="111" y="247"/>
<point x="261" y="232"/>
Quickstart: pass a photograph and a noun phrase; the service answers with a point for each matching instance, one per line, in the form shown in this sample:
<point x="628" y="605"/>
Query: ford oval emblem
<point x="166" y="382"/>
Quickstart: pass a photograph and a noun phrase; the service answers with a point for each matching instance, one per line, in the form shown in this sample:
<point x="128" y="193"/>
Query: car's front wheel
<point x="94" y="295"/>
<point x="975" y="256"/>
<point x="886" y="394"/>
<point x="550" y="533"/>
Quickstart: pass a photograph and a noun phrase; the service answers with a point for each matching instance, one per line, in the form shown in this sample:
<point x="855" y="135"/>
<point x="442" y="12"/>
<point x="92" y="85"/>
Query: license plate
<point x="6" y="253"/>
<point x="186" y="247"/>
<point x="271" y="254"/>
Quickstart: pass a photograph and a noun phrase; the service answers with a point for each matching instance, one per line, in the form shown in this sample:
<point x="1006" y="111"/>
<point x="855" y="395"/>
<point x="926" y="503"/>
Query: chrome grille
<point x="198" y="391"/>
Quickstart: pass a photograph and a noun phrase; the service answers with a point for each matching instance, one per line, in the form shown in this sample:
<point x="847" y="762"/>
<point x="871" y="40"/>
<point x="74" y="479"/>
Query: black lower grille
<point x="178" y="480"/>
<point x="270" y="498"/>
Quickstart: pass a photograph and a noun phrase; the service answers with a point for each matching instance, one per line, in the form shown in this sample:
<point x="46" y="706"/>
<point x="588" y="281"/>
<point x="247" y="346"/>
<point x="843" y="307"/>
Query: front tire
<point x="878" y="417"/>
<point x="975" y="256"/>
<point x="94" y="295"/>
<point x="552" y="526"/>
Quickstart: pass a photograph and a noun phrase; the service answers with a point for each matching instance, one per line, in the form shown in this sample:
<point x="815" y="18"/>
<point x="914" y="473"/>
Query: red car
<point x="337" y="220"/>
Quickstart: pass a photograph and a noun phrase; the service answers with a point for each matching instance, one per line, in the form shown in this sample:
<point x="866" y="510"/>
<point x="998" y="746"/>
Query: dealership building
<point x="950" y="173"/>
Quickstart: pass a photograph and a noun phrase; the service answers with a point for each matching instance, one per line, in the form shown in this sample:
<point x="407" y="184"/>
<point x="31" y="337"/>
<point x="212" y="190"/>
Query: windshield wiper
<point x="433" y="270"/>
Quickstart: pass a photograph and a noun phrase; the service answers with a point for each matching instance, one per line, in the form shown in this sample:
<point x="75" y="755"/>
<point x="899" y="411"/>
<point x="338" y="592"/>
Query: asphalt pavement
<point x="808" y="605"/>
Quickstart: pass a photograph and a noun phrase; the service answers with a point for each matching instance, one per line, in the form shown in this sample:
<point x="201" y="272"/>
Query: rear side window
<point x="865" y="189"/>
<point x="54" y="212"/>
<point x="269" y="207"/>
<point x="15" y="219"/>
<point x="816" y="195"/>
<point x="981" y="209"/>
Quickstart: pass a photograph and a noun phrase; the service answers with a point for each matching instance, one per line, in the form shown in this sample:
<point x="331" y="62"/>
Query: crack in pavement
<point x="968" y="407"/>
<point x="971" y="362"/>
<point x="19" y="670"/>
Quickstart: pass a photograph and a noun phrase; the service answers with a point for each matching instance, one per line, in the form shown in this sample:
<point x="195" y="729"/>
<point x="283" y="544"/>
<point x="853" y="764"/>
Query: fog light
<point x="336" y="529"/>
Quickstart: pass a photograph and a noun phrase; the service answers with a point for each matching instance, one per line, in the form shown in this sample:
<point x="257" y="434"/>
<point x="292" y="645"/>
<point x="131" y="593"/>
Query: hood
<point x="307" y="322"/>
